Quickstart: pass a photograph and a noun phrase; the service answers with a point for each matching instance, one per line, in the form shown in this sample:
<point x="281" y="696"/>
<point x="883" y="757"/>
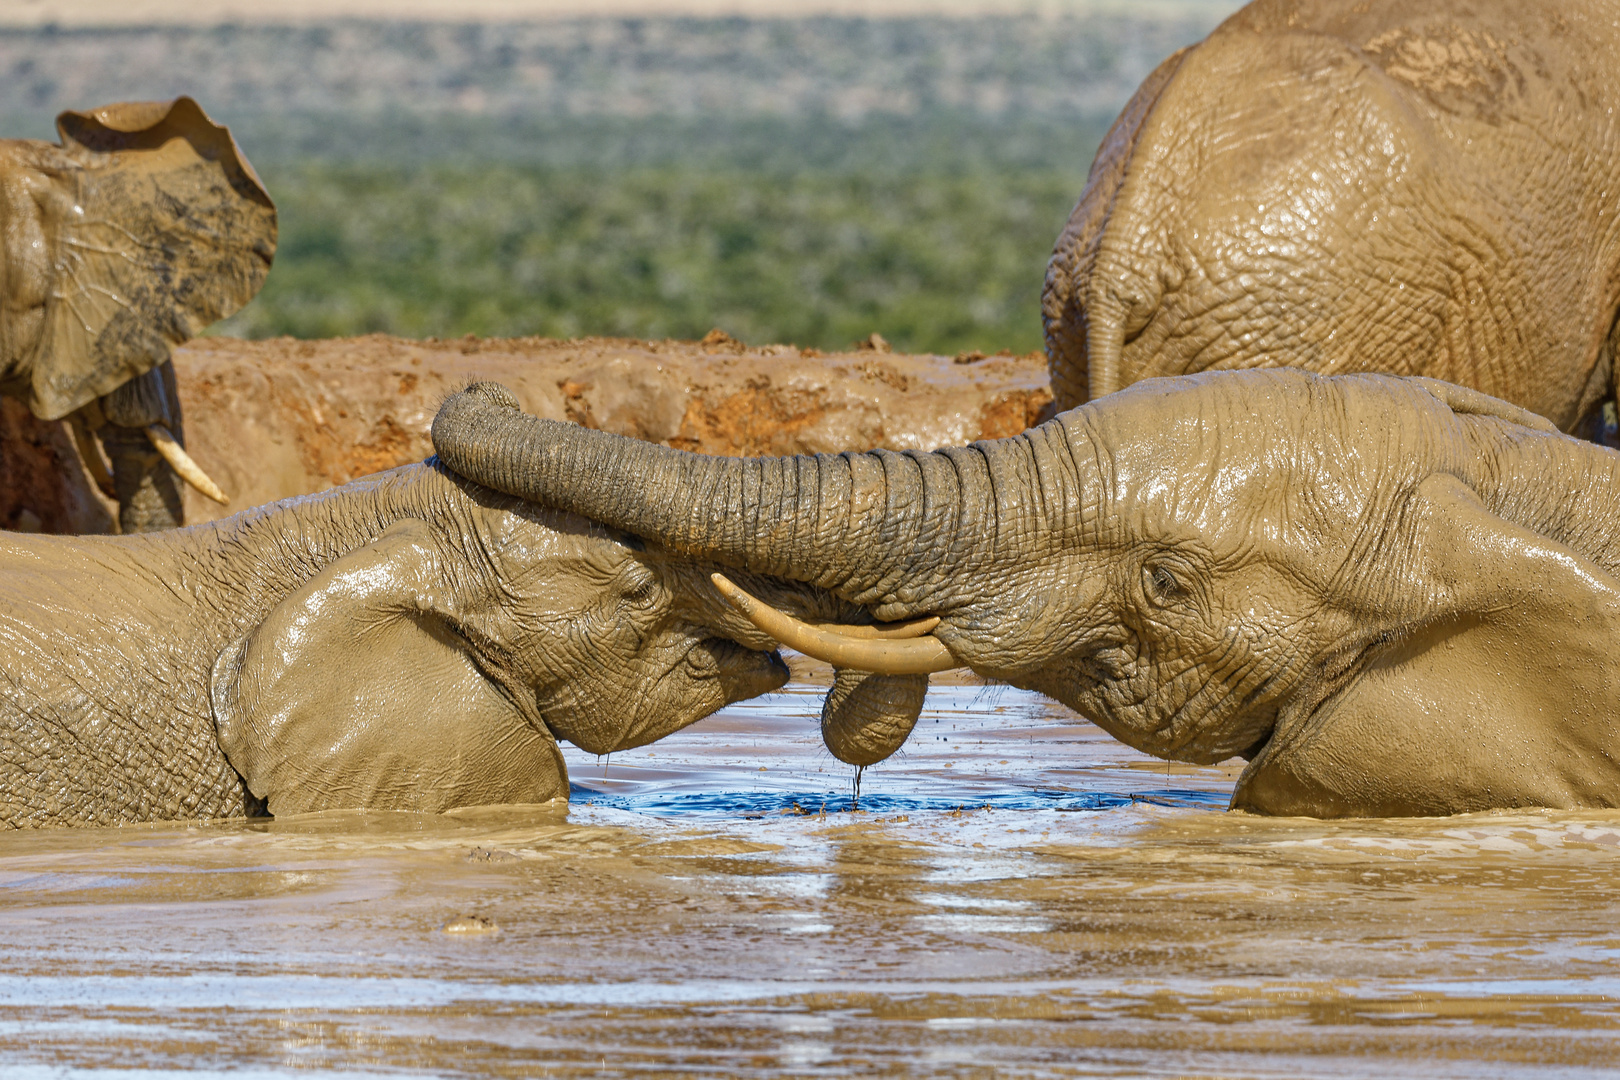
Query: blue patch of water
<point x="760" y="803"/>
<point x="1006" y="749"/>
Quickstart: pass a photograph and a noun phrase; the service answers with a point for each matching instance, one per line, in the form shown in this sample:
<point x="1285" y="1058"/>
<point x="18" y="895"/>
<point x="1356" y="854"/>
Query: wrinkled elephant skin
<point x="1395" y="596"/>
<point x="1417" y="187"/>
<point x="409" y="641"/>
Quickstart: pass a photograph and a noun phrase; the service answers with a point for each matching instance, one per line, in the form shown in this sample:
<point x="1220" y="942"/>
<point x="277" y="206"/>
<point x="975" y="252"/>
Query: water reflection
<point x="973" y="747"/>
<point x="1019" y="895"/>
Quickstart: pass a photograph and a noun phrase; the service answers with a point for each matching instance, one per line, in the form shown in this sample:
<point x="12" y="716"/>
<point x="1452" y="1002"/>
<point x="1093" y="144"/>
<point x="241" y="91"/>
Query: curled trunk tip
<point x="495" y="394"/>
<point x="867" y="717"/>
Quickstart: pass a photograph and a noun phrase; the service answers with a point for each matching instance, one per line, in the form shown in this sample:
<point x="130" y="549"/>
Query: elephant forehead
<point x="1235" y="458"/>
<point x="530" y="535"/>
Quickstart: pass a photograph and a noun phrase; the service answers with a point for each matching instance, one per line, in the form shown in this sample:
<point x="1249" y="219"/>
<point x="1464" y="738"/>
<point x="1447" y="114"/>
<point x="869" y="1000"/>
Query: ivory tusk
<point x="181" y="463"/>
<point x="902" y="650"/>
<point x="91" y="455"/>
<point x="899" y="631"/>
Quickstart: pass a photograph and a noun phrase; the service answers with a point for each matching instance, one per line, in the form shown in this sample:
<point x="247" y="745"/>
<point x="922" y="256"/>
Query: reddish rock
<point x="272" y="419"/>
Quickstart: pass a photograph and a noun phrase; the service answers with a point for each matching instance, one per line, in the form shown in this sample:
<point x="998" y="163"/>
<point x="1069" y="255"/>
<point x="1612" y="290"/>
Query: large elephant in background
<point x="1395" y="596"/>
<point x="143" y="226"/>
<point x="1422" y="187"/>
<point x="409" y="641"/>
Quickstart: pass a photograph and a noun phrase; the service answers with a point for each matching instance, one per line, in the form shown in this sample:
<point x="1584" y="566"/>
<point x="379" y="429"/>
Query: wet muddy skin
<point x="696" y="914"/>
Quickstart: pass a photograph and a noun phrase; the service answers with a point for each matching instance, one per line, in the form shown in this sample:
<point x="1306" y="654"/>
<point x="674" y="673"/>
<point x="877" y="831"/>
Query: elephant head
<point x="143" y="226"/>
<point x="411" y="641"/>
<point x="1406" y="186"/>
<point x="1193" y="564"/>
<point x="399" y="677"/>
<point x="435" y="664"/>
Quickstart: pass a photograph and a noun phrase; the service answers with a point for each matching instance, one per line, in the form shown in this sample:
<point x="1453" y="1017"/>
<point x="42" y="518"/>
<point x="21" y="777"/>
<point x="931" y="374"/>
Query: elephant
<point x="141" y="227"/>
<point x="1392" y="595"/>
<point x="409" y="641"/>
<point x="1414" y="187"/>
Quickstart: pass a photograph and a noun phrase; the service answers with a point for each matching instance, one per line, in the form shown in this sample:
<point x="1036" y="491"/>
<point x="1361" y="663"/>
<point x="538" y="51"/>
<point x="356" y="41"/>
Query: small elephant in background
<point x="143" y="226"/>
<point x="410" y="641"/>
<point x="1414" y="187"/>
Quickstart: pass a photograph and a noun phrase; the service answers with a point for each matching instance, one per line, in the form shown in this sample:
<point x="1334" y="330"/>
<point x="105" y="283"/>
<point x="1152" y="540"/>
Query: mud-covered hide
<point x="144" y="225"/>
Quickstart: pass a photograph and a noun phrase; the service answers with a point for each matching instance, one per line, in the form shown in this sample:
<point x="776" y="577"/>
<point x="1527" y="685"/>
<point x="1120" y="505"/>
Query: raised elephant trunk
<point x="875" y="528"/>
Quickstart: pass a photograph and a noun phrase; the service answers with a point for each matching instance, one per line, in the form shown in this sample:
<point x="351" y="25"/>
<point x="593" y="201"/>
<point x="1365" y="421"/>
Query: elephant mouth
<point x="712" y="673"/>
<point x="724" y="659"/>
<point x="1237" y="726"/>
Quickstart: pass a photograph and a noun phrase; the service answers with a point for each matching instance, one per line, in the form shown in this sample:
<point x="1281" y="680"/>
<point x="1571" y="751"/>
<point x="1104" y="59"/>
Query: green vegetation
<point x="937" y="239"/>
<point x="810" y="180"/>
<point x="935" y="265"/>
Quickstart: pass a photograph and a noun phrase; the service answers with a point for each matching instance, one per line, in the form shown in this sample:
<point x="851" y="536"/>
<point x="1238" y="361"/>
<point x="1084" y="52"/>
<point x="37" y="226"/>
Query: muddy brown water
<point x="1018" y="895"/>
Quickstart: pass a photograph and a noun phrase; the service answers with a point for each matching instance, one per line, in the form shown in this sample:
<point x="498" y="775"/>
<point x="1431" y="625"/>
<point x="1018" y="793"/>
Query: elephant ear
<point x="157" y="226"/>
<point x="357" y="690"/>
<point x="1497" y="689"/>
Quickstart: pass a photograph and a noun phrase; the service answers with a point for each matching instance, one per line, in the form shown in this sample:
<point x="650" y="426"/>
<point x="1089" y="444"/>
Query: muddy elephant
<point x="1416" y="187"/>
<point x="410" y="641"/>
<point x="1394" y="596"/>
<point x="143" y="226"/>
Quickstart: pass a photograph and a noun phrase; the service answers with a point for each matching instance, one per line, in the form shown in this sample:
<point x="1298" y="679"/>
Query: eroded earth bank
<point x="272" y="419"/>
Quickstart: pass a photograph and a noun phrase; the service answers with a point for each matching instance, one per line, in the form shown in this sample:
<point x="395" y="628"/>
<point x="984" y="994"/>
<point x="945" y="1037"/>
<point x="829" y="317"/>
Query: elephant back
<point x="1413" y="187"/>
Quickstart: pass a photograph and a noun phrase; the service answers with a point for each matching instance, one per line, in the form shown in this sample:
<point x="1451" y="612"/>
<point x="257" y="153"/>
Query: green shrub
<point x="935" y="264"/>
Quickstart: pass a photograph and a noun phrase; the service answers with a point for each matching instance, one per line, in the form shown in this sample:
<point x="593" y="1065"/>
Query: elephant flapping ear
<point x="144" y="225"/>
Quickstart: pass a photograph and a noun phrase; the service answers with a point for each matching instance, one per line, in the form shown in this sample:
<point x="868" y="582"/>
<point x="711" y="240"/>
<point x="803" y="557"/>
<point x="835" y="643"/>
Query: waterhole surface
<point x="1017" y="895"/>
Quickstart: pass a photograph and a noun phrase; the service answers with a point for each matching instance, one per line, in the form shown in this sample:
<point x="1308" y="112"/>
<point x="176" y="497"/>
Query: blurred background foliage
<point x="789" y="180"/>
<point x="936" y="259"/>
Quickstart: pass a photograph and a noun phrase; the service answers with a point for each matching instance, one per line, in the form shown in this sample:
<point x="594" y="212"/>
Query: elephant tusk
<point x="902" y="650"/>
<point x="900" y="631"/>
<point x="91" y="454"/>
<point x="182" y="463"/>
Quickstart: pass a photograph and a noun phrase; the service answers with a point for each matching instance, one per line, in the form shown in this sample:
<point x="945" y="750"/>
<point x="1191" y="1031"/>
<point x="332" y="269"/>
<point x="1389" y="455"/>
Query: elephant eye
<point x="641" y="588"/>
<point x="1162" y="585"/>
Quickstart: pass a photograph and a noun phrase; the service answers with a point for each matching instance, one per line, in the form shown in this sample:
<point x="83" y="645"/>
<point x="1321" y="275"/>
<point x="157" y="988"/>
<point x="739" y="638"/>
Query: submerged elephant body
<point x="1395" y="596"/>
<point x="1417" y="188"/>
<point x="405" y="642"/>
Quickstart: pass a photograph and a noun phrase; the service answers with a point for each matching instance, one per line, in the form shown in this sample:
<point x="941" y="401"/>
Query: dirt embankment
<point x="273" y="419"/>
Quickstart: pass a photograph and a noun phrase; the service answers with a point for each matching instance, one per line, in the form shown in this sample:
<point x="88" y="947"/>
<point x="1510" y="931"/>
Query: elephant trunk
<point x="875" y="528"/>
